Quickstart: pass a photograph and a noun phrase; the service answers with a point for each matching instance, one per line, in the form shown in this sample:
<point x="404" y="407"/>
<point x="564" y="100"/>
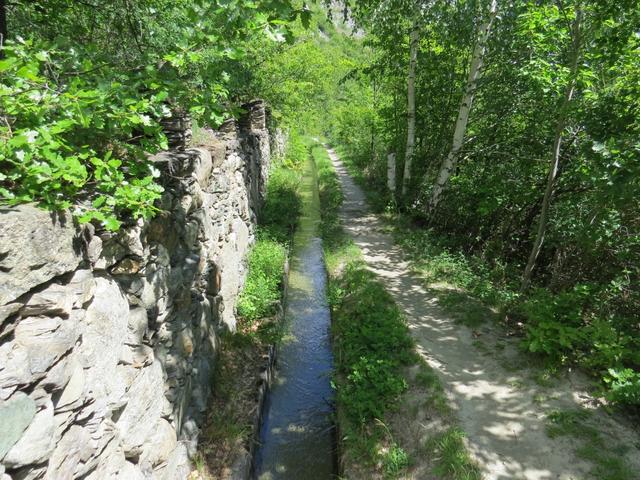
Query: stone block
<point x="104" y="331"/>
<point x="142" y="412"/>
<point x="35" y="246"/>
<point x="16" y="415"/>
<point x="37" y="442"/>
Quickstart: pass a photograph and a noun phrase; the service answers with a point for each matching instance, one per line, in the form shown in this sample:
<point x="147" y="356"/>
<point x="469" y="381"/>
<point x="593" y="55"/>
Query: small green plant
<point x="330" y="198"/>
<point x="566" y="422"/>
<point x="372" y="384"/>
<point x="451" y="458"/>
<point x="283" y="205"/>
<point x="372" y="342"/>
<point x="395" y="461"/>
<point x="624" y="386"/>
<point x="435" y="396"/>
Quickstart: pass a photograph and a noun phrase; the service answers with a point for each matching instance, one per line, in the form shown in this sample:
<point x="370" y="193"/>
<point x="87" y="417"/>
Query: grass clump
<point x="330" y="198"/>
<point x="606" y="457"/>
<point x="262" y="289"/>
<point x="280" y="213"/>
<point x="278" y="219"/>
<point x="395" y="461"/>
<point x="452" y="459"/>
<point x="283" y="205"/>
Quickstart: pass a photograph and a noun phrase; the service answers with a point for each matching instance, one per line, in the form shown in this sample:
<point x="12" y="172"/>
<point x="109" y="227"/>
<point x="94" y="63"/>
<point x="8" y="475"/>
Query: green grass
<point x="607" y="457"/>
<point x="434" y="392"/>
<point x="395" y="461"/>
<point x="283" y="206"/>
<point x="278" y="219"/>
<point x="465" y="309"/>
<point x="371" y="343"/>
<point x="262" y="290"/>
<point x="451" y="456"/>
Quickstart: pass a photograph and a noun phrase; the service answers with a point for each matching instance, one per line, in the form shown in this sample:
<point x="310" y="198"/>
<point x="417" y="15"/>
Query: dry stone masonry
<point x="108" y="341"/>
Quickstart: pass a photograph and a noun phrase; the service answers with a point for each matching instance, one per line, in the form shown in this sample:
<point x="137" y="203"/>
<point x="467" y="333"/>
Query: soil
<point x="230" y="430"/>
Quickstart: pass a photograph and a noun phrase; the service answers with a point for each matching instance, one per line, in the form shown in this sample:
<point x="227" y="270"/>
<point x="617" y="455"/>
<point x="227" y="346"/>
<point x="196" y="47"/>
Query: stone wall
<point x="108" y="341"/>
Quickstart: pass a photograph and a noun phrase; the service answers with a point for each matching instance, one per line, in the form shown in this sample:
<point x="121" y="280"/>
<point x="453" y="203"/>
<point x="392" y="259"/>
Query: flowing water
<point x="297" y="436"/>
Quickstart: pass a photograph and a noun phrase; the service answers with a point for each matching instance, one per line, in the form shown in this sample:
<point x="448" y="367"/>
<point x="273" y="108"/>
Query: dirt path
<point x="498" y="403"/>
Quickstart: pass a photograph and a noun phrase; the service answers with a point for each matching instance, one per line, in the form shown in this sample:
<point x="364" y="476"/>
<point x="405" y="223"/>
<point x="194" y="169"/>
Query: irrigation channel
<point x="297" y="434"/>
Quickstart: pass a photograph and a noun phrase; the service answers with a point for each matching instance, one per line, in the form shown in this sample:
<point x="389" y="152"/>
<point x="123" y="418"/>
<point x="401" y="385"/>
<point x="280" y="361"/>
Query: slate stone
<point x="161" y="444"/>
<point x="35" y="246"/>
<point x="55" y="300"/>
<point x="72" y="453"/>
<point x="137" y="326"/>
<point x="177" y="466"/>
<point x="139" y="418"/>
<point x="39" y="343"/>
<point x="6" y="311"/>
<point x="45" y="340"/>
<point x="15" y="416"/>
<point x="73" y="390"/>
<point x="36" y="443"/>
<point x="105" y="329"/>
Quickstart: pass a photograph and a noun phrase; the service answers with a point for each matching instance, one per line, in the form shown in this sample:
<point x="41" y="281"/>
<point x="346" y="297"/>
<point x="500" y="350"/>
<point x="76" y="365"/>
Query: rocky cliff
<point x="108" y="341"/>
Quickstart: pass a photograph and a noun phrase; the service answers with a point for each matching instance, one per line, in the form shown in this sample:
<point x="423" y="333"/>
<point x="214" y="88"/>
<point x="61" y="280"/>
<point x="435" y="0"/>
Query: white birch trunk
<point x="555" y="157"/>
<point x="414" y="39"/>
<point x="391" y="173"/>
<point x="475" y="68"/>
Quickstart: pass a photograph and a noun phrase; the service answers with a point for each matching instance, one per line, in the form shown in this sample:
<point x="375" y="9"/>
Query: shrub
<point x="261" y="291"/>
<point x="624" y="385"/>
<point x="371" y="384"/>
<point x="283" y="205"/>
<point x="70" y="143"/>
<point x="553" y="323"/>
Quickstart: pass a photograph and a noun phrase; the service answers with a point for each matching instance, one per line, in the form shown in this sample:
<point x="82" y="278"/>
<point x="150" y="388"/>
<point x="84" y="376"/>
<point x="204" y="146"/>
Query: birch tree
<point x="462" y="119"/>
<point x="576" y="41"/>
<point x="414" y="40"/>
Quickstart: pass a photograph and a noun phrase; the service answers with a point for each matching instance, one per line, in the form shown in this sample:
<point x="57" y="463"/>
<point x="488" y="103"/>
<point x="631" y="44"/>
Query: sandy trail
<point x="502" y="409"/>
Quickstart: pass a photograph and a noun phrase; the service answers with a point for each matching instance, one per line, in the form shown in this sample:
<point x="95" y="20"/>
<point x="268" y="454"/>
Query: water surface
<point x="297" y="438"/>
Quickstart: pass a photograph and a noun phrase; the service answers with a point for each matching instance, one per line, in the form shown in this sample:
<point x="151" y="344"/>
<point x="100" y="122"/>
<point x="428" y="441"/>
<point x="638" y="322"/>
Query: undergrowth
<point x="570" y="327"/>
<point x="279" y="216"/>
<point x="261" y="292"/>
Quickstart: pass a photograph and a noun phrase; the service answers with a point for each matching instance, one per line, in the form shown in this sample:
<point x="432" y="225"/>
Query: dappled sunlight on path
<point x="498" y="407"/>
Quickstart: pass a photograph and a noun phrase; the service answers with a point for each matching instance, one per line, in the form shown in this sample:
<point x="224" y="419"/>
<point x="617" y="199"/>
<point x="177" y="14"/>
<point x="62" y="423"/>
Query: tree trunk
<point x="475" y="67"/>
<point x="3" y="25"/>
<point x="391" y="173"/>
<point x="555" y="158"/>
<point x="414" y="39"/>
